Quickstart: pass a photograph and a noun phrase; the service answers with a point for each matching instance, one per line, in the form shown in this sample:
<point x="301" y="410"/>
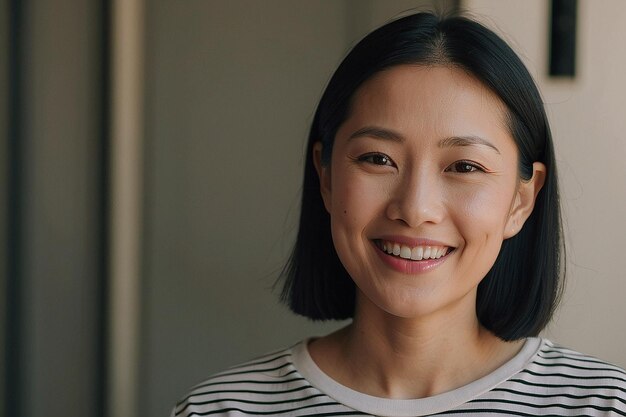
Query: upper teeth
<point x="417" y="253"/>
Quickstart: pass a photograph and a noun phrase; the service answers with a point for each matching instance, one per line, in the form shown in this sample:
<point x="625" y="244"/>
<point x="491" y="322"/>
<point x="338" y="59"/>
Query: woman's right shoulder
<point x="261" y="384"/>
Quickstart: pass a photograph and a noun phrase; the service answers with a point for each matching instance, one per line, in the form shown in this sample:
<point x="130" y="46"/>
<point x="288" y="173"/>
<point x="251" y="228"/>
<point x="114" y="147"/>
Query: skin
<point x="395" y="171"/>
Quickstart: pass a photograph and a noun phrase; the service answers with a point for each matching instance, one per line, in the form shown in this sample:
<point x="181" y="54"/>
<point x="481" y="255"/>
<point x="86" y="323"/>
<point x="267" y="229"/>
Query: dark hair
<point x="519" y="294"/>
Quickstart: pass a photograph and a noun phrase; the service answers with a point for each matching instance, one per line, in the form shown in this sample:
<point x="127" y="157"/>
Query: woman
<point x="430" y="216"/>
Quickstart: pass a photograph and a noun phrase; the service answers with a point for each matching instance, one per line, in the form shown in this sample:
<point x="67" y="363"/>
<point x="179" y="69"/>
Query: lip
<point x="407" y="266"/>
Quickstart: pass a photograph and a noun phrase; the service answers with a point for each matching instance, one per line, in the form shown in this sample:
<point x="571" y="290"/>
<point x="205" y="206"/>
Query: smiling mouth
<point x="416" y="253"/>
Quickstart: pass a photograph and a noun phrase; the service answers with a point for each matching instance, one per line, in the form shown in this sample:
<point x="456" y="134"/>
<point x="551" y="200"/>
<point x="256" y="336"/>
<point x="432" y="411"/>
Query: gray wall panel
<point x="59" y="304"/>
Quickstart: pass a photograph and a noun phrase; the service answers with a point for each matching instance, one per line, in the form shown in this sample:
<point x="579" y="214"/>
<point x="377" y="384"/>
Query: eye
<point x="376" y="159"/>
<point x="465" y="167"/>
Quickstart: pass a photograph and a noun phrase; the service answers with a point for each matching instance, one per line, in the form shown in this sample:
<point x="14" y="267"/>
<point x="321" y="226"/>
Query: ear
<point x="524" y="200"/>
<point x="323" y="172"/>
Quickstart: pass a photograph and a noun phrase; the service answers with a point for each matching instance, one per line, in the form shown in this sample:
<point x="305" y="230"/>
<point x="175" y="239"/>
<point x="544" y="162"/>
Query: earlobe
<point x="524" y="201"/>
<point x="323" y="173"/>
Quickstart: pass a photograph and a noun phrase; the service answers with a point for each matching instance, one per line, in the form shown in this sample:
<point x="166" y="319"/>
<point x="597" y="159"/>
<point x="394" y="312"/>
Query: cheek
<point x="481" y="220"/>
<point x="488" y="206"/>
<point x="358" y="203"/>
<point x="481" y="229"/>
<point x="355" y="201"/>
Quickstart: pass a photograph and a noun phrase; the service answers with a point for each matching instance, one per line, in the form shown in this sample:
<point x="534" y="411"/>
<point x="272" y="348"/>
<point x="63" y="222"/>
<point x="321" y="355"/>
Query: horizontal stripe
<point x="234" y="399"/>
<point x="253" y="381"/>
<point x="487" y="412"/>
<point x="336" y="413"/>
<point x="242" y="391"/>
<point x="556" y="355"/>
<point x="570" y="376"/>
<point x="583" y="387"/>
<point x="560" y="395"/>
<point x="583" y="368"/>
<point x="252" y="412"/>
<point x="554" y="405"/>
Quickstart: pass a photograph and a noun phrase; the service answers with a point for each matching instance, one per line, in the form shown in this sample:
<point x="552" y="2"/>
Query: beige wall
<point x="589" y="128"/>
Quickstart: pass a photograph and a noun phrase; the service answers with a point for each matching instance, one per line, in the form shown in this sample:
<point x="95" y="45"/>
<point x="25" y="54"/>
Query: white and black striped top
<point x="542" y="379"/>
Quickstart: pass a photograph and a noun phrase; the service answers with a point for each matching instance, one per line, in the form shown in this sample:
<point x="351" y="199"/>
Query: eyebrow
<point x="377" y="132"/>
<point x="388" y="134"/>
<point x="466" y="141"/>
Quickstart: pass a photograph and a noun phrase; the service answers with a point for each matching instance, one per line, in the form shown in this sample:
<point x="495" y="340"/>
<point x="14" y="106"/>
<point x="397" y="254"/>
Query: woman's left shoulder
<point x="568" y="362"/>
<point x="559" y="381"/>
<point x="557" y="368"/>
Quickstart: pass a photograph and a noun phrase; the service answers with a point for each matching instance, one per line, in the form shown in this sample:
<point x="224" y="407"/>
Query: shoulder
<point x="240" y="384"/>
<point x="266" y="385"/>
<point x="561" y="379"/>
<point x="556" y="360"/>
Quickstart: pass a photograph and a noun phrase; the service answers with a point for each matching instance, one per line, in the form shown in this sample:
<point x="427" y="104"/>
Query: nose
<point x="417" y="198"/>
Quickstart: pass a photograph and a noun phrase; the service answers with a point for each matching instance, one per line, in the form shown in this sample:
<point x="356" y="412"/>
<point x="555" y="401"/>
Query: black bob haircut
<point x="518" y="295"/>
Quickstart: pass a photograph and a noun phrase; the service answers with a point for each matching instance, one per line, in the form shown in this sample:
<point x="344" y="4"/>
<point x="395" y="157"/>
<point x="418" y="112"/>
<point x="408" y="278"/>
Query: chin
<point x="416" y="304"/>
<point x="407" y="308"/>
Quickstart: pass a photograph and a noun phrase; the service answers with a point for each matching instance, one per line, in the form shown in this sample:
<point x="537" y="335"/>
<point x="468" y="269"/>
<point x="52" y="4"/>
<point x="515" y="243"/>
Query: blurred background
<point x="151" y="155"/>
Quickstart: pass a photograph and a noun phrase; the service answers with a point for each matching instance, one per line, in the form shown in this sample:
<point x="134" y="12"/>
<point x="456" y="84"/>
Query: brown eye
<point x="464" y="167"/>
<point x="376" y="159"/>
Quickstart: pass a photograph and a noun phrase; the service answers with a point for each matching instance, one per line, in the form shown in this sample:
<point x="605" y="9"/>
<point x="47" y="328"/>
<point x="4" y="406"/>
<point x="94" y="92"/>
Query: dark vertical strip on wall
<point x="4" y="198"/>
<point x="56" y="204"/>
<point x="104" y="206"/>
<point x="13" y="380"/>
<point x="563" y="38"/>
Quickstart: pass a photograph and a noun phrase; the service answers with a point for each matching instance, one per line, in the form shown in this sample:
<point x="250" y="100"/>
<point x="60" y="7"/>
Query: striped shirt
<point x="542" y="379"/>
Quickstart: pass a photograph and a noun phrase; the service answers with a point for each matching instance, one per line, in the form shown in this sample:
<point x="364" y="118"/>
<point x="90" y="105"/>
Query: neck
<point x="393" y="357"/>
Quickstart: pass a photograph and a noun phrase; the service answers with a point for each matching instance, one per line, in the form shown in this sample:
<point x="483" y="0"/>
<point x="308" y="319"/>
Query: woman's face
<point x="424" y="167"/>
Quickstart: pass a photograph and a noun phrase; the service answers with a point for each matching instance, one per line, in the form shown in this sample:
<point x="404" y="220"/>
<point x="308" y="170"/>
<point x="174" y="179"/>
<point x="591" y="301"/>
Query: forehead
<point x="432" y="101"/>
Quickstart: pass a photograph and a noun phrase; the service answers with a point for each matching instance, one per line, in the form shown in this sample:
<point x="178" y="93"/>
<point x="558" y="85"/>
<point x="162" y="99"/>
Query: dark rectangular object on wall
<point x="563" y="38"/>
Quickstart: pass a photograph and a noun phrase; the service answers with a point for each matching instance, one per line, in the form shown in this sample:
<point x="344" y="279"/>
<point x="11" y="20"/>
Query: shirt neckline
<point x="305" y="365"/>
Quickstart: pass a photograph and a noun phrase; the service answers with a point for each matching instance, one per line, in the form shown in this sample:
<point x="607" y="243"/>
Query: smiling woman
<point x="442" y="178"/>
<point x="430" y="217"/>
